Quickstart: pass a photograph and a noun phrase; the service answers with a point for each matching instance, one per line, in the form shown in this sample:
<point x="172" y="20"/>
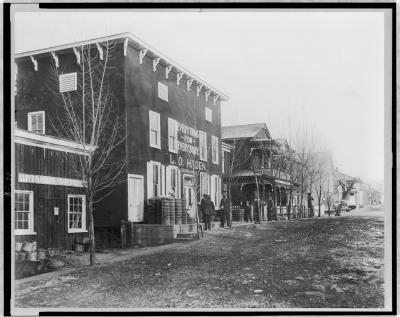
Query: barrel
<point x="178" y="211"/>
<point x="238" y="215"/>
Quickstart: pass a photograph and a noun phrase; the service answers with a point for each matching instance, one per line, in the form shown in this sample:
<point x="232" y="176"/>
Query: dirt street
<point x="328" y="262"/>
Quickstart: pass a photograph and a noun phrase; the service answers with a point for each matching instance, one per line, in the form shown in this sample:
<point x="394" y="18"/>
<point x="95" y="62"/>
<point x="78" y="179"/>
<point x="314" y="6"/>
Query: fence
<point x="107" y="237"/>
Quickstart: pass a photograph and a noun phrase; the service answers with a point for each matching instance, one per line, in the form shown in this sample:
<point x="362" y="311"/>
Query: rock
<point x="313" y="293"/>
<point x="320" y="288"/>
<point x="55" y="264"/>
<point x="258" y="290"/>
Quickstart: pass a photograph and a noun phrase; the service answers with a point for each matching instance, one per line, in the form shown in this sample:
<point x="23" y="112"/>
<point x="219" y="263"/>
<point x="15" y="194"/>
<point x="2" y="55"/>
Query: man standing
<point x="225" y="208"/>
<point x="207" y="209"/>
<point x="310" y="205"/>
<point x="269" y="209"/>
<point x="247" y="212"/>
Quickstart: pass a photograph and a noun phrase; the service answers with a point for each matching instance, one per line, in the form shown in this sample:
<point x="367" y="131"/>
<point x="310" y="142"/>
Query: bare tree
<point x="90" y="118"/>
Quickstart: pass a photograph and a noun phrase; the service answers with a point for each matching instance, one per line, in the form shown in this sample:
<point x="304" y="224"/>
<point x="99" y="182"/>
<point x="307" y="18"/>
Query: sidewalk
<point x="107" y="257"/>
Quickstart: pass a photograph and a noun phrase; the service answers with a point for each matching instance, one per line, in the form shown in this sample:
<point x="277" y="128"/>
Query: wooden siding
<point x="51" y="231"/>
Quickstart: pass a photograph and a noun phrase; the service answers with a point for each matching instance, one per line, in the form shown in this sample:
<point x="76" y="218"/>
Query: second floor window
<point x="36" y="122"/>
<point x="214" y="149"/>
<point x="172" y="135"/>
<point x="154" y="122"/>
<point x="208" y="114"/>
<point x="203" y="146"/>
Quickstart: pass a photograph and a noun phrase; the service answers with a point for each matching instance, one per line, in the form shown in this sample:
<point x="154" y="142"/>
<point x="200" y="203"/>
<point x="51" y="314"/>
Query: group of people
<point x="207" y="210"/>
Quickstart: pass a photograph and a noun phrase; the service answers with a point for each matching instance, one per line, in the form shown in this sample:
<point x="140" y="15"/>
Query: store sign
<point x="188" y="149"/>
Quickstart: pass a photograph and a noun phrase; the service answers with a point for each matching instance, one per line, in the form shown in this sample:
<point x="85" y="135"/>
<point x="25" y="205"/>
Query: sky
<point x="323" y="70"/>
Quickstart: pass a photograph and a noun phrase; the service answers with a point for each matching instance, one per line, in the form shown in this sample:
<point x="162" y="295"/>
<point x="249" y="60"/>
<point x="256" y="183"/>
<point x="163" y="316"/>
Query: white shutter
<point x="68" y="82"/>
<point x="168" y="179"/>
<point x="178" y="183"/>
<point x="163" y="180"/>
<point x="149" y="180"/>
<point x="213" y="189"/>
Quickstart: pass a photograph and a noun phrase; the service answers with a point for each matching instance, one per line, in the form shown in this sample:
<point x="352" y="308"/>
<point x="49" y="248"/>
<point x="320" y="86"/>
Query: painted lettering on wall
<point x="188" y="149"/>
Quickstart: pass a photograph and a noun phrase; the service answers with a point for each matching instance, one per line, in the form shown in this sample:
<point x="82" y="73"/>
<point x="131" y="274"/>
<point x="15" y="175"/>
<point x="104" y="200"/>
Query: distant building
<point x="255" y="165"/>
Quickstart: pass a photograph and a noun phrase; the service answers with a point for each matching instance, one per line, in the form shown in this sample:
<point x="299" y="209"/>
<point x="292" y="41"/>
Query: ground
<point x="321" y="262"/>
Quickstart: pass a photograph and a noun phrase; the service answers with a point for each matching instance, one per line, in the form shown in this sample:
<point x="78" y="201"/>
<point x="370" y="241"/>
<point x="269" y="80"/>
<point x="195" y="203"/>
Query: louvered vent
<point x="163" y="92"/>
<point x="68" y="82"/>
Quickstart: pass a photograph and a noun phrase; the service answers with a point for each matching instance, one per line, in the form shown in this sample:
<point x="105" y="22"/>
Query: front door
<point x="189" y="195"/>
<point x="135" y="198"/>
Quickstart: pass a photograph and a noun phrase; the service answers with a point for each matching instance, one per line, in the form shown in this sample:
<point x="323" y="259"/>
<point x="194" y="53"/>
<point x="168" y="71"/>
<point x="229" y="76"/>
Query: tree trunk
<point x="92" y="245"/>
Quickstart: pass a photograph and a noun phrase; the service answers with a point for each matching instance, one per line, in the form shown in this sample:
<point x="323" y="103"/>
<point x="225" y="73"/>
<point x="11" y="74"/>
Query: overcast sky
<point x="322" y="68"/>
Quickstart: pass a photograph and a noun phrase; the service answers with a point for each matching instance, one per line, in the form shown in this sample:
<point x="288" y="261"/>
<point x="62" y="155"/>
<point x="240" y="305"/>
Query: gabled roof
<point x="245" y="131"/>
<point x="131" y="40"/>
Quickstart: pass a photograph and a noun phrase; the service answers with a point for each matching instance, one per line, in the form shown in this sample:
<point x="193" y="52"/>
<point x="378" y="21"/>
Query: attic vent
<point x="68" y="82"/>
<point x="163" y="92"/>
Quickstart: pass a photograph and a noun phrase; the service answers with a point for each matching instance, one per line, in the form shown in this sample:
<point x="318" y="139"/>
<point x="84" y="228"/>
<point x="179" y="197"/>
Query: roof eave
<point x="140" y="45"/>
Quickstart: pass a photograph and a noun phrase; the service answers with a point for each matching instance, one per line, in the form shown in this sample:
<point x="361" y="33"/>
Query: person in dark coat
<point x="247" y="212"/>
<point x="256" y="211"/>
<point x="225" y="207"/>
<point x="270" y="206"/>
<point x="310" y="205"/>
<point x="207" y="209"/>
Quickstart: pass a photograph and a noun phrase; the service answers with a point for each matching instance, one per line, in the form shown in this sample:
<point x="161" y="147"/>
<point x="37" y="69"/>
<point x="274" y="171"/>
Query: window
<point x="208" y="115"/>
<point x="214" y="149"/>
<point x="203" y="146"/>
<point x="172" y="135"/>
<point x="155" y="137"/>
<point x="174" y="179"/>
<point x="223" y="161"/>
<point x="36" y="122"/>
<point x="68" y="82"/>
<point x="23" y="222"/>
<point x="215" y="191"/>
<point x="76" y="213"/>
<point x="163" y="92"/>
<point x="156" y="180"/>
<point x="203" y="183"/>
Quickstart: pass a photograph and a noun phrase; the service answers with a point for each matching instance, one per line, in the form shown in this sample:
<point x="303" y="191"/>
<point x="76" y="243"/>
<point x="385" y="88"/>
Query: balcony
<point x="274" y="173"/>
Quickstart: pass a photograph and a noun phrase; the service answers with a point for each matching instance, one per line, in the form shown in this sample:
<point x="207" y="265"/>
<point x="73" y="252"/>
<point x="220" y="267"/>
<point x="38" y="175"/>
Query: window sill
<point x="24" y="233"/>
<point x="155" y="146"/>
<point x="173" y="151"/>
<point x="77" y="230"/>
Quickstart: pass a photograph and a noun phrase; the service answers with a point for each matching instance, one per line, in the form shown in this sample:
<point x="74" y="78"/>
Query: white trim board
<point x="139" y="45"/>
<point x="49" y="142"/>
<point x="49" y="180"/>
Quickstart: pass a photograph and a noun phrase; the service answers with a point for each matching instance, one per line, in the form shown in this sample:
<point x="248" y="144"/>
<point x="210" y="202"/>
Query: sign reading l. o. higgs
<point x="188" y="146"/>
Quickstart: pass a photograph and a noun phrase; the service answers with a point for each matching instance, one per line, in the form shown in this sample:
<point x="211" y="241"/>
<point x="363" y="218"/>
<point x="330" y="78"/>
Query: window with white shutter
<point x="208" y="114"/>
<point x="203" y="183"/>
<point x="203" y="145"/>
<point x="163" y="92"/>
<point x="214" y="149"/>
<point x="172" y="135"/>
<point x="68" y="82"/>
<point x="36" y="122"/>
<point x="154" y="123"/>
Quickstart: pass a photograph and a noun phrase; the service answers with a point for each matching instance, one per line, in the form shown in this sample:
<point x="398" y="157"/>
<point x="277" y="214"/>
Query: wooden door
<point x="135" y="198"/>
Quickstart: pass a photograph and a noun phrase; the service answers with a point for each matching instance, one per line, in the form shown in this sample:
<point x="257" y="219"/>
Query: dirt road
<point x="328" y="262"/>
